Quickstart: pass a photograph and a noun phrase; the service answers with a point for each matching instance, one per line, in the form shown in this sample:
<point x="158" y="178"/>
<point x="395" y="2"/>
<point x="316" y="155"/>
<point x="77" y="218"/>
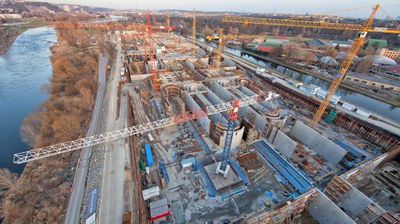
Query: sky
<point x="392" y="7"/>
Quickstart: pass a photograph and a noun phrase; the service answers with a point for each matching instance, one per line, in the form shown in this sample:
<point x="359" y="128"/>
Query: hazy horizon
<point x="392" y="7"/>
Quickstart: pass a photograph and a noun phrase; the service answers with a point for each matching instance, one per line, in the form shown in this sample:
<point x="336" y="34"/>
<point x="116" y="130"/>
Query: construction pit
<point x="269" y="168"/>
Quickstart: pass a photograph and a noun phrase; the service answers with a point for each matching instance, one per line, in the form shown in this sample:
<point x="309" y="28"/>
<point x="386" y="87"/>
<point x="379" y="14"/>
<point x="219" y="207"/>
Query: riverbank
<point x="9" y="42"/>
<point x="44" y="186"/>
<point x="354" y="88"/>
<point x="16" y="29"/>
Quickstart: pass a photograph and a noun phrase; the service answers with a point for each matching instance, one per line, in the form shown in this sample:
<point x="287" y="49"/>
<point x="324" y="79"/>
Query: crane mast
<point x="219" y="51"/>
<point x="223" y="167"/>
<point x="156" y="88"/>
<point x="194" y="31"/>
<point x="60" y="148"/>
<point x="168" y="24"/>
<point x="348" y="59"/>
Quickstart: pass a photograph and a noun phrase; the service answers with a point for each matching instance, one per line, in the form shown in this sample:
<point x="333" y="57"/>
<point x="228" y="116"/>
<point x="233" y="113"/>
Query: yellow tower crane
<point x="194" y="31"/>
<point x="350" y="54"/>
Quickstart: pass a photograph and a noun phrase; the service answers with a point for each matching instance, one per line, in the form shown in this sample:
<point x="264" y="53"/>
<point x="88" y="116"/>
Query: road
<point x="75" y="200"/>
<point x="112" y="189"/>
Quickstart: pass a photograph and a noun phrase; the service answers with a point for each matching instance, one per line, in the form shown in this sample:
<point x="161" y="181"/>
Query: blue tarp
<point x="239" y="171"/>
<point x="149" y="156"/>
<point x="350" y="149"/>
<point x="163" y="170"/>
<point x="92" y="203"/>
<point x="209" y="186"/>
<point x="283" y="167"/>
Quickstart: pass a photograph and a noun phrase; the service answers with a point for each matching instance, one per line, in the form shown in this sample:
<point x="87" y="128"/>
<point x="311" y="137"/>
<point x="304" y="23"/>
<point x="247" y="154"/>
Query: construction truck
<point x="212" y="37"/>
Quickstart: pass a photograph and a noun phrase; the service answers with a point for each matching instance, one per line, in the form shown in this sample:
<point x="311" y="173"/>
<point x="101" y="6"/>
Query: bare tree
<point x="8" y="180"/>
<point x="207" y="31"/>
<point x="278" y="51"/>
<point x="30" y="128"/>
<point x="329" y="51"/>
<point x="275" y="31"/>
<point x="87" y="97"/>
<point x="365" y="63"/>
<point x="298" y="38"/>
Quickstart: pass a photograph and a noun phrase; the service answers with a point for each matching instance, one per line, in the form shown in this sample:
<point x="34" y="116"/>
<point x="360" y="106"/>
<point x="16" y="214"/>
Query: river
<point x="352" y="97"/>
<point x="24" y="69"/>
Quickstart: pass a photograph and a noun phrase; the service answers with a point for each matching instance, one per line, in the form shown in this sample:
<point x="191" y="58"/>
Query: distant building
<point x="315" y="42"/>
<point x="266" y="49"/>
<point x="10" y="16"/>
<point x="275" y="41"/>
<point x="342" y="43"/>
<point x="389" y="53"/>
<point x="378" y="43"/>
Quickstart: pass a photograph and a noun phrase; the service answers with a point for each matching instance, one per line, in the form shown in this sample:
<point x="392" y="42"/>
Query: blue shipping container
<point x="92" y="204"/>
<point x="149" y="156"/>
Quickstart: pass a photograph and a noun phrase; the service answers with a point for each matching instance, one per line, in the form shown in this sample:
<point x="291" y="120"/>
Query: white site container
<point x="363" y="113"/>
<point x="348" y="106"/>
<point x="151" y="193"/>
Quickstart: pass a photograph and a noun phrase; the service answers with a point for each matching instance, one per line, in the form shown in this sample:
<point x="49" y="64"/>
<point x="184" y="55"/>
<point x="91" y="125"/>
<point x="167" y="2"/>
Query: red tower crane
<point x="156" y="88"/>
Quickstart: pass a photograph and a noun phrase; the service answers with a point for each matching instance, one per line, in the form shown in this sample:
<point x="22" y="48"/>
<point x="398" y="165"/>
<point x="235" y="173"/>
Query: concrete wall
<point x="326" y="212"/>
<point x="204" y="121"/>
<point x="224" y="94"/>
<point x="259" y="121"/>
<point x="353" y="202"/>
<point x="324" y="147"/>
<point x="216" y="118"/>
<point x="249" y="92"/>
<point x="284" y="144"/>
<point x="237" y="138"/>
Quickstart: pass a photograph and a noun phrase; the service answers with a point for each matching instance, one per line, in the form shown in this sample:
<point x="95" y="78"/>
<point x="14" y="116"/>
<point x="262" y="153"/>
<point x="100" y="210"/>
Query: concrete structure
<point x="220" y="182"/>
<point x="283" y="143"/>
<point x="325" y="211"/>
<point x="214" y="125"/>
<point x="378" y="83"/>
<point x="355" y="204"/>
<point x="327" y="149"/>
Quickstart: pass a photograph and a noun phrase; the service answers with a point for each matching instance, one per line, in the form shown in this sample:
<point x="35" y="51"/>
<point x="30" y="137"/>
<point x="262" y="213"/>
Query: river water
<point x="24" y="69"/>
<point x="357" y="99"/>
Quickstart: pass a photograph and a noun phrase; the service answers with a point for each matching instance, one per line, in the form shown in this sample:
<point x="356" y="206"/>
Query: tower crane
<point x="350" y="54"/>
<point x="60" y="148"/>
<point x="156" y="88"/>
<point x="223" y="167"/>
<point x="194" y="31"/>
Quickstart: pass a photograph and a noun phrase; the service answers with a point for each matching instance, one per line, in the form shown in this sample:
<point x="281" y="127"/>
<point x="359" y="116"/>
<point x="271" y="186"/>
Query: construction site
<point x="213" y="138"/>
<point x="275" y="165"/>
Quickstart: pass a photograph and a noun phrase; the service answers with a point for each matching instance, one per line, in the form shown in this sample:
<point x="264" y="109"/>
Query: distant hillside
<point x="22" y="7"/>
<point x="82" y="8"/>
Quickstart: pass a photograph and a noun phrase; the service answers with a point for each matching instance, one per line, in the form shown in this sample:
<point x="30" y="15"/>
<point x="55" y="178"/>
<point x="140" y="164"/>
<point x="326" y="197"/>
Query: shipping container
<point x="260" y="70"/>
<point x="159" y="209"/>
<point x="312" y="89"/>
<point x="363" y="113"/>
<point x="348" y="106"/>
<point x="187" y="162"/>
<point x="150" y="137"/>
<point x="91" y="219"/>
<point x="149" y="155"/>
<point x="321" y="95"/>
<point x="92" y="203"/>
<point x="151" y="193"/>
